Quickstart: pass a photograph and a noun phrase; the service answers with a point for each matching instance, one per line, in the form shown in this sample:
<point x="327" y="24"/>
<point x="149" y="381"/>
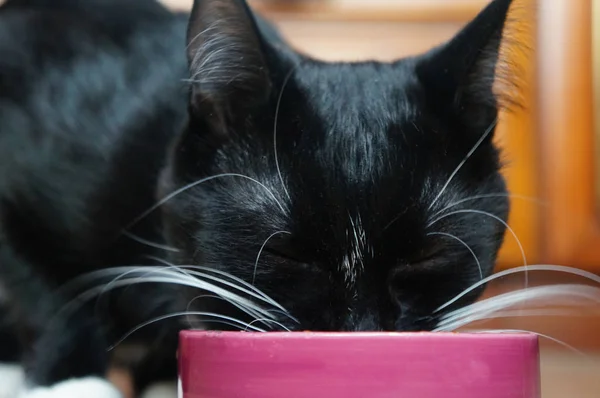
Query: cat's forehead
<point x="358" y="119"/>
<point x="360" y="93"/>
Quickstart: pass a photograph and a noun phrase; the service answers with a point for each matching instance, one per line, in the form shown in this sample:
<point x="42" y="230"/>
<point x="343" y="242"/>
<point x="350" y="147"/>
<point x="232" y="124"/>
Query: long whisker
<point x="281" y="310"/>
<point x="249" y="311"/>
<point x="545" y="336"/>
<point x="261" y="296"/>
<point x="261" y="250"/>
<point x="183" y="313"/>
<point x="482" y="309"/>
<point x="217" y="321"/>
<point x="191" y="277"/>
<point x="142" y="272"/>
<point x="495" y="217"/>
<point x="128" y="275"/>
<point x="531" y="313"/>
<point x="215" y="271"/>
<point x="461" y="164"/>
<point x="164" y="276"/>
<point x="539" y="267"/>
<point x="178" y="275"/>
<point x="189" y="305"/>
<point x="104" y="273"/>
<point x="283" y="86"/>
<point x="484" y="196"/>
<point x="194" y="184"/>
<point x="464" y="244"/>
<point x="149" y="243"/>
<point x="281" y="325"/>
<point x="242" y="282"/>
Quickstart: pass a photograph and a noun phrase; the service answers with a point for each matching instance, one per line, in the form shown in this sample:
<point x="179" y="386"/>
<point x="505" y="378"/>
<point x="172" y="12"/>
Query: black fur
<point x="103" y="114"/>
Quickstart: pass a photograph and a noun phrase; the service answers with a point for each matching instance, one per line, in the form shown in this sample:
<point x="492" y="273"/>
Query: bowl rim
<point x="310" y="335"/>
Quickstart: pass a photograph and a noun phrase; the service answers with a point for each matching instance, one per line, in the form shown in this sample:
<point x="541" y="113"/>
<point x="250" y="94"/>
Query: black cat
<point x="247" y="184"/>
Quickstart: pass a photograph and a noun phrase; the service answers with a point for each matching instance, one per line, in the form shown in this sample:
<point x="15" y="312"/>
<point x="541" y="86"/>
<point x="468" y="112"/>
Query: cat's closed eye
<point x="287" y="256"/>
<point x="431" y="255"/>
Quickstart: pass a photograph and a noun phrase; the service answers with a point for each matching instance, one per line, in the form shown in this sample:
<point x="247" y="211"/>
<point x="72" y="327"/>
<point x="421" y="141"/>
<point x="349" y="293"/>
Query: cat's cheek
<point x="76" y="388"/>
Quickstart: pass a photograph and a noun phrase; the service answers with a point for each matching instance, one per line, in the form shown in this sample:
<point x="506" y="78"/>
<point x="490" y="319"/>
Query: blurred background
<point x="550" y="145"/>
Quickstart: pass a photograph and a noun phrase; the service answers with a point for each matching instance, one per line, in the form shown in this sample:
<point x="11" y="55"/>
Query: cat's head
<point x="360" y="196"/>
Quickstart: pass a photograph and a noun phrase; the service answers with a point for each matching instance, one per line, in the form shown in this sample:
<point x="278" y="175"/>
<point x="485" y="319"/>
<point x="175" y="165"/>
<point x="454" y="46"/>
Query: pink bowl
<point x="358" y="365"/>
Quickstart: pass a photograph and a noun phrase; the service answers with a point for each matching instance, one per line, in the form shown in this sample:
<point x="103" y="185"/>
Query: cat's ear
<point x="228" y="68"/>
<point x="459" y="76"/>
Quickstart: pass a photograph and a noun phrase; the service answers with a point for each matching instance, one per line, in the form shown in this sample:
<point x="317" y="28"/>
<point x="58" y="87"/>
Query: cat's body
<point x="90" y="100"/>
<point x="333" y="186"/>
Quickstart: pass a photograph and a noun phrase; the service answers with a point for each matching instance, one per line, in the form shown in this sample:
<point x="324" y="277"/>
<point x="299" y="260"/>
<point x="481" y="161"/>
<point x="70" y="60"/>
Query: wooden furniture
<point x="570" y="224"/>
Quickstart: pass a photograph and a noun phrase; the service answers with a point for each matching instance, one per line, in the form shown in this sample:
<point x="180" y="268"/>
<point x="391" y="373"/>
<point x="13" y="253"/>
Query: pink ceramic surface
<point x="358" y="365"/>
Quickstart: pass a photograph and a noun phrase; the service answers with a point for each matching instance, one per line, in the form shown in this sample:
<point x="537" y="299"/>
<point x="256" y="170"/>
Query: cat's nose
<point x="361" y="325"/>
<point x="368" y="322"/>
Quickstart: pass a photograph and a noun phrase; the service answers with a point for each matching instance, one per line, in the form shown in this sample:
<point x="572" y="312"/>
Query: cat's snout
<point x="366" y="323"/>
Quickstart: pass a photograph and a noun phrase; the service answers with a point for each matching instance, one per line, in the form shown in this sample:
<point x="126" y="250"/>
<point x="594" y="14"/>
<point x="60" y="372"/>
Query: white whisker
<point x="283" y="313"/>
<point x="242" y="282"/>
<point x="464" y="244"/>
<point x="529" y="268"/>
<point x="149" y="243"/>
<point x="194" y="184"/>
<point x="482" y="309"/>
<point x="189" y="305"/>
<point x="254" y="314"/>
<point x="196" y="276"/>
<point x="218" y="321"/>
<point x="218" y="272"/>
<point x="143" y="273"/>
<point x="532" y="313"/>
<point x="164" y="276"/>
<point x="178" y="314"/>
<point x="484" y="196"/>
<point x="281" y="310"/>
<point x="545" y="336"/>
<point x="239" y="288"/>
<point x="261" y="250"/>
<point x="495" y="217"/>
<point x="461" y="164"/>
<point x="281" y="325"/>
<point x="283" y="86"/>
